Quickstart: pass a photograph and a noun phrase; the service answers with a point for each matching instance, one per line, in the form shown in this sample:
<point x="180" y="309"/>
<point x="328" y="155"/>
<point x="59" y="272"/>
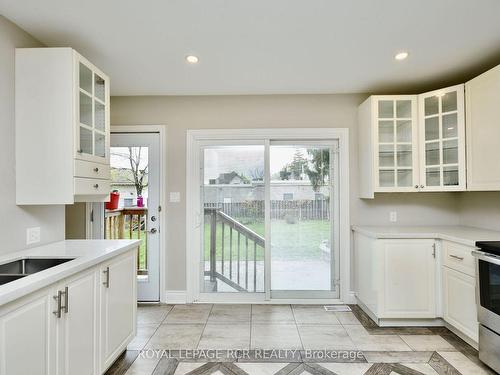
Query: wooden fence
<point x="280" y="209"/>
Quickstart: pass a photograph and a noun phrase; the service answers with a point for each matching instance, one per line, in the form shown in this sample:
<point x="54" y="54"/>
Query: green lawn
<point x="299" y="241"/>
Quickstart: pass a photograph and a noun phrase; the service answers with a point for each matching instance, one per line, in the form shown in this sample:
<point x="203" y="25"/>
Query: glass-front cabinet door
<point x="395" y="143"/>
<point x="442" y="139"/>
<point x="92" y="135"/>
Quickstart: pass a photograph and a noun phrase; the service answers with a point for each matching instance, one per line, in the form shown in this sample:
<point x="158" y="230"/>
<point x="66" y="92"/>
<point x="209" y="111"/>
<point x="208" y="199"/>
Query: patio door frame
<point x="194" y="221"/>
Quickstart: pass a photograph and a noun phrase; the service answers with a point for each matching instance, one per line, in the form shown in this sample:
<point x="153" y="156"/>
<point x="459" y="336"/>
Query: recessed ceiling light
<point x="192" y="59"/>
<point x="401" y="56"/>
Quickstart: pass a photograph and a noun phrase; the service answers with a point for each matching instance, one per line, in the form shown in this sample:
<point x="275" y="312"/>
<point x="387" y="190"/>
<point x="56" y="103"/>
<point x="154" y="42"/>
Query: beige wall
<point x="480" y="209"/>
<point x="266" y="111"/>
<point x="14" y="220"/>
<point x="75" y="223"/>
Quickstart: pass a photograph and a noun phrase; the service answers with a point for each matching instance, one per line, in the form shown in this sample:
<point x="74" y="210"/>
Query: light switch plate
<point x="393" y="216"/>
<point x="175" y="197"/>
<point x="32" y="235"/>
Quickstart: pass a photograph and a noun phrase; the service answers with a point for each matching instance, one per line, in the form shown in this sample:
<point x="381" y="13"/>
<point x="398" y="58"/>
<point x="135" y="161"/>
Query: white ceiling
<point x="270" y="46"/>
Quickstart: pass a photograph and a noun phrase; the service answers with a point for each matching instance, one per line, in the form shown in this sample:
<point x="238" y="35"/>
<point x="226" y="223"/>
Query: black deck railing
<point x="245" y="251"/>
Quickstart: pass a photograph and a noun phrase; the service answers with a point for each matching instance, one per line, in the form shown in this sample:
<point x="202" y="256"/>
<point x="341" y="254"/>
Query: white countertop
<point x="461" y="234"/>
<point x="87" y="253"/>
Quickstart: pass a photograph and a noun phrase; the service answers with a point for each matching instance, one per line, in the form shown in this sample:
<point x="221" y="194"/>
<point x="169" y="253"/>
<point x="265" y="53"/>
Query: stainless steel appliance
<point x="488" y="301"/>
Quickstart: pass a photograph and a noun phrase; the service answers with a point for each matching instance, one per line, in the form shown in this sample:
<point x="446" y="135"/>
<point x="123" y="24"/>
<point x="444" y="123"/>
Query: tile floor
<point x="284" y="339"/>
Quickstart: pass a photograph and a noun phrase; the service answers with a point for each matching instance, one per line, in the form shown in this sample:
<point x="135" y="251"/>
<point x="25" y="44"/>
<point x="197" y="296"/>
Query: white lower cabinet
<point x="459" y="304"/>
<point x="27" y="336"/>
<point x="397" y="282"/>
<point x="395" y="278"/>
<point x="79" y="325"/>
<point x="117" y="317"/>
<point x="409" y="287"/>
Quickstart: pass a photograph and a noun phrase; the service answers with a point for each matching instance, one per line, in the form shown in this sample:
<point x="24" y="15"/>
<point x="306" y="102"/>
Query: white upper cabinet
<point x="410" y="143"/>
<point x="483" y="131"/>
<point x="92" y="137"/>
<point x="388" y="144"/>
<point x="442" y="139"/>
<point x="62" y="128"/>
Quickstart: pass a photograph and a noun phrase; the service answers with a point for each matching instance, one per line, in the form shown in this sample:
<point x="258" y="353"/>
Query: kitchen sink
<point x="4" y="279"/>
<point x="23" y="267"/>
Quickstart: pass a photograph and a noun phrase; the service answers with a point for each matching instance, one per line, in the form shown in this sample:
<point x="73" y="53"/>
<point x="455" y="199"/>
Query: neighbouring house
<point x="231" y="178"/>
<point x="280" y="190"/>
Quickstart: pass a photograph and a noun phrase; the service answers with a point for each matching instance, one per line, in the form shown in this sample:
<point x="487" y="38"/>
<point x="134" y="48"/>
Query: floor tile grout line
<point x="204" y="326"/>
<point x="297" y="328"/>
<point x="159" y="325"/>
<point x="149" y="339"/>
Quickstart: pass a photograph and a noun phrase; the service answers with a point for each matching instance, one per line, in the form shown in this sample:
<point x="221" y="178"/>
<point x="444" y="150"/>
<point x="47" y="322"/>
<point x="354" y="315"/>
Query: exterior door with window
<point x="135" y="177"/>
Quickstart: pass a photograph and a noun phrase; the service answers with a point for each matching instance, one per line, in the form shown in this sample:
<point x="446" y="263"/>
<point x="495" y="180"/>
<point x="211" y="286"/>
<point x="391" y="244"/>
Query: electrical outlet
<point x="393" y="216"/>
<point x="32" y="235"/>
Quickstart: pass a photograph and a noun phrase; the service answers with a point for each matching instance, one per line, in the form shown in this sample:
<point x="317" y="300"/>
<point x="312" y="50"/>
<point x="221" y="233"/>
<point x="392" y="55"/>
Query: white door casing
<point x="193" y="203"/>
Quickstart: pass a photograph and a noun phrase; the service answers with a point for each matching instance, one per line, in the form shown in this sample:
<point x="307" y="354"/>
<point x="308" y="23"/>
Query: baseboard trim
<point x="351" y="298"/>
<point x="410" y="322"/>
<point x="175" y="296"/>
<point x="463" y="336"/>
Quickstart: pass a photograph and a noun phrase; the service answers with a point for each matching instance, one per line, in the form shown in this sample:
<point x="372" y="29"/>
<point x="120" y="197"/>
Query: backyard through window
<point x="300" y="225"/>
<point x="234" y="204"/>
<point x="126" y="214"/>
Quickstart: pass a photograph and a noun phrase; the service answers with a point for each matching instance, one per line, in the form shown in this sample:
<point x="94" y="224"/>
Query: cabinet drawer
<point x="459" y="257"/>
<point x="90" y="186"/>
<point x="91" y="170"/>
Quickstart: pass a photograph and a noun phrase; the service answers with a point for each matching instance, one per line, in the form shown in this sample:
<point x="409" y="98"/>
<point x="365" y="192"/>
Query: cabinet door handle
<point x="106" y="280"/>
<point x="96" y="186"/>
<point x="58" y="298"/>
<point x="456" y="257"/>
<point x="434" y="250"/>
<point x="66" y="300"/>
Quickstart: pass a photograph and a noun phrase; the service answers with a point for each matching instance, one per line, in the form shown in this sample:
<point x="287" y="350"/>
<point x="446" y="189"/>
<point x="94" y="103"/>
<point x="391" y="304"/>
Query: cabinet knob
<point x="96" y="169"/>
<point x="416" y="186"/>
<point x="96" y="186"/>
<point x="422" y="186"/>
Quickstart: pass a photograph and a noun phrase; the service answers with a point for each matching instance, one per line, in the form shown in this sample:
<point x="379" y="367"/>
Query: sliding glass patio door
<point x="304" y="251"/>
<point x="269" y="222"/>
<point x="233" y="198"/>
